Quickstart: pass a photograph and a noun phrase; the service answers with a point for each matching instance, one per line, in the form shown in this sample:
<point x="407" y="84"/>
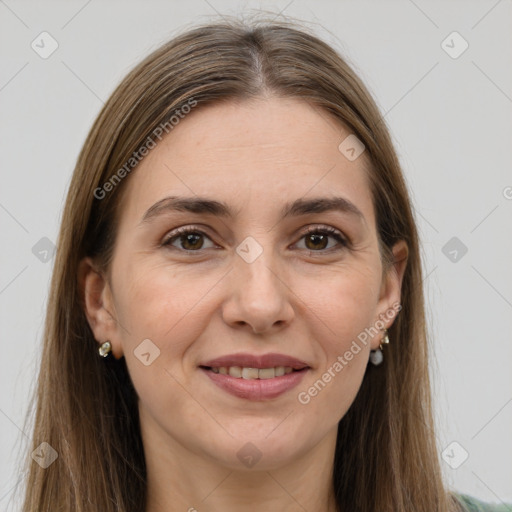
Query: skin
<point x="254" y="155"/>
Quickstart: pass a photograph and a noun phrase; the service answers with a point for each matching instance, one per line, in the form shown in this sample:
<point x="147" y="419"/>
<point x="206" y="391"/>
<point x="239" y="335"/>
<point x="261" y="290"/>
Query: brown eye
<point x="189" y="239"/>
<point x="317" y="239"/>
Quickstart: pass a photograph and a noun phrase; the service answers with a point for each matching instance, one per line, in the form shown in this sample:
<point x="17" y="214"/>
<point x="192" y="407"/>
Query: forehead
<point x="253" y="155"/>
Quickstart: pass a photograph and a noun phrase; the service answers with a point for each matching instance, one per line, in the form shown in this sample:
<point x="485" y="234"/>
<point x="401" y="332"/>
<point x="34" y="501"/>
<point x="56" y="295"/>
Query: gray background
<point x="451" y="122"/>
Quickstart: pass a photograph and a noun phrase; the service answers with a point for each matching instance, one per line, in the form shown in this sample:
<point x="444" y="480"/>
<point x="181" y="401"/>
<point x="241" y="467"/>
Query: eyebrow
<point x="205" y="205"/>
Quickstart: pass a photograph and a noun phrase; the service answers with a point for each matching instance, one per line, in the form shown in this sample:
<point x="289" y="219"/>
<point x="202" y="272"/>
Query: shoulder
<point x="474" y="505"/>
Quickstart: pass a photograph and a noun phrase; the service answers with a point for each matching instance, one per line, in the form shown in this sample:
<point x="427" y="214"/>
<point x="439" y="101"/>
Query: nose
<point x="258" y="298"/>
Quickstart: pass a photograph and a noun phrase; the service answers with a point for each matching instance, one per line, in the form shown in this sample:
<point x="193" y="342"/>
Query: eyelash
<point x="321" y="230"/>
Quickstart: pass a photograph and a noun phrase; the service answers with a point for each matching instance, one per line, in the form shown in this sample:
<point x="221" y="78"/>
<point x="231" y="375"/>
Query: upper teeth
<point x="253" y="373"/>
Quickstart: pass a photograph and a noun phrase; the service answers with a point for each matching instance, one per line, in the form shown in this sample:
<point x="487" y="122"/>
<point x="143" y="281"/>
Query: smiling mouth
<point x="256" y="384"/>
<point x="248" y="373"/>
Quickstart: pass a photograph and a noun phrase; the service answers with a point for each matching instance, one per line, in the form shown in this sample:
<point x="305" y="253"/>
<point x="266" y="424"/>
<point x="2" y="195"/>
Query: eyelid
<point x="343" y="240"/>
<point x="183" y="230"/>
<point x="324" y="229"/>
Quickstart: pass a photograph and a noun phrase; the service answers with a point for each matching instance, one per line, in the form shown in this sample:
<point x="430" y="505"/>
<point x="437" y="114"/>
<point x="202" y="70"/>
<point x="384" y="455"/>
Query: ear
<point x="97" y="302"/>
<point x="391" y="287"/>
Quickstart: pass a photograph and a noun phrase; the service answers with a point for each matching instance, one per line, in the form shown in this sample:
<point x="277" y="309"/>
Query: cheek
<point x="160" y="303"/>
<point x="329" y="393"/>
<point x="345" y="313"/>
<point x="168" y="308"/>
<point x="347" y="305"/>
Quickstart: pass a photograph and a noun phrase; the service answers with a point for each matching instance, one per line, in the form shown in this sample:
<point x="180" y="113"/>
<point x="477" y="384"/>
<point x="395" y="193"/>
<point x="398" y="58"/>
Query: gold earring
<point x="377" y="356"/>
<point x="105" y="349"/>
<point x="385" y="338"/>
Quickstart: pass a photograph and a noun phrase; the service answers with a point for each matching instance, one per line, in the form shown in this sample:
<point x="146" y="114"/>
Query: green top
<point x="475" y="505"/>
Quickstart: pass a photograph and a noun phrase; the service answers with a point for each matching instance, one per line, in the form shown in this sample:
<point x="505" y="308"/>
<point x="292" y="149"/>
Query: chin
<point x="264" y="452"/>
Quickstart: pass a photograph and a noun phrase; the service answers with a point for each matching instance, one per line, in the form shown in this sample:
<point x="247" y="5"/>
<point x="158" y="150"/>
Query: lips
<point x="256" y="378"/>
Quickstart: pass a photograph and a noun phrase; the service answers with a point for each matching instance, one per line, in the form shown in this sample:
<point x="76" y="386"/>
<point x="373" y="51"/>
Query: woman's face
<point x="248" y="286"/>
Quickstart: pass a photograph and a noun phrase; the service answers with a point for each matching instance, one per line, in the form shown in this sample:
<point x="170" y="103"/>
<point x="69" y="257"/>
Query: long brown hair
<point x="86" y="408"/>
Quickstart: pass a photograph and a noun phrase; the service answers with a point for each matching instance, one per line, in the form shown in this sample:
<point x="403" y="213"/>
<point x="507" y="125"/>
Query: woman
<point x="236" y="318"/>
